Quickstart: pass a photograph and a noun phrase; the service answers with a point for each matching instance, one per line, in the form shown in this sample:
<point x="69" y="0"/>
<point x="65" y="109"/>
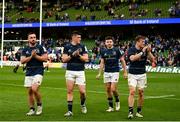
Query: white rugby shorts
<point x="139" y="81"/>
<point x="111" y="77"/>
<point x="76" y="76"/>
<point x="30" y="80"/>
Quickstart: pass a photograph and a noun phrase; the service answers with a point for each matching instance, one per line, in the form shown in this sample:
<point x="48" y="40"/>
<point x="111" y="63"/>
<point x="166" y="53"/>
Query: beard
<point x="33" y="42"/>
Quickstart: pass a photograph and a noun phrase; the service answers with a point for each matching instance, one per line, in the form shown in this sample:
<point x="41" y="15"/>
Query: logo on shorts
<point x="38" y="82"/>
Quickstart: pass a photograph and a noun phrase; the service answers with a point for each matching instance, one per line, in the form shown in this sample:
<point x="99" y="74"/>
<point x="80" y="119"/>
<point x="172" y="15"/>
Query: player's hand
<point x="145" y="49"/>
<point x="75" y="53"/>
<point x="125" y="75"/>
<point x="98" y="76"/>
<point x="153" y="64"/>
<point x="149" y="48"/>
<point x="33" y="53"/>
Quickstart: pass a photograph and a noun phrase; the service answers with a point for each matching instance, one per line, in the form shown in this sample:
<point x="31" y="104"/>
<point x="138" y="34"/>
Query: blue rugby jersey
<point x="111" y="58"/>
<point x="137" y="67"/>
<point x="34" y="66"/>
<point x="75" y="64"/>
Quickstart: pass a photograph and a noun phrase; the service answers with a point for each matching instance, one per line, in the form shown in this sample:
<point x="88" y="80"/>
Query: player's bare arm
<point x="123" y="63"/>
<point x="25" y="59"/>
<point x="100" y="68"/>
<point x="138" y="56"/>
<point x="42" y="58"/>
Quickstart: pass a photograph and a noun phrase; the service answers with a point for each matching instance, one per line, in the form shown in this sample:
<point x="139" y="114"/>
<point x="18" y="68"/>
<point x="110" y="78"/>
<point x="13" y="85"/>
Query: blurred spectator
<point x="84" y="18"/>
<point x="157" y="12"/>
<point x="92" y="17"/>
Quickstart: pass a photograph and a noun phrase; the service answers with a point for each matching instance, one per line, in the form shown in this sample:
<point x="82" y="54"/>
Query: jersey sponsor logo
<point x="37" y="51"/>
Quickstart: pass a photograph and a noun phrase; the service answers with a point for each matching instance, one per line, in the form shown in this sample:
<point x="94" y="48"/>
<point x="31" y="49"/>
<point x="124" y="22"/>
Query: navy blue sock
<point x="110" y="101"/>
<point x="116" y="98"/>
<point x="139" y="108"/>
<point x="32" y="108"/>
<point x="131" y="109"/>
<point x="39" y="104"/>
<point x="70" y="103"/>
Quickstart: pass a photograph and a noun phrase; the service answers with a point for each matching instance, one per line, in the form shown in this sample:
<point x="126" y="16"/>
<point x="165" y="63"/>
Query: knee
<point x="141" y="93"/>
<point x="132" y="93"/>
<point x="113" y="89"/>
<point x="82" y="92"/>
<point x="69" y="91"/>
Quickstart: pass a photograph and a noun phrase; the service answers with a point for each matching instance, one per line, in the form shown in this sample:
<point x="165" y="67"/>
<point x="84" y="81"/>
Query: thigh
<point x="82" y="88"/>
<point x="70" y="85"/>
<point x="114" y="85"/>
<point x="108" y="85"/>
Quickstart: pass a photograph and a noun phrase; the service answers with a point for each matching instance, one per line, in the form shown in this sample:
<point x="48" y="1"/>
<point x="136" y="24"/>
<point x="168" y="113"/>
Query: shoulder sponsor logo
<point x="27" y="52"/>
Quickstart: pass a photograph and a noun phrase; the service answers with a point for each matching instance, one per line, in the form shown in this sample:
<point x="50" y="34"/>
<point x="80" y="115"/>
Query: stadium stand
<point x="83" y="10"/>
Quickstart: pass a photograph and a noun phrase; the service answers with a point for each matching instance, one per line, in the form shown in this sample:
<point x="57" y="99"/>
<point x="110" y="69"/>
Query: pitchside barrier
<point x="96" y="66"/>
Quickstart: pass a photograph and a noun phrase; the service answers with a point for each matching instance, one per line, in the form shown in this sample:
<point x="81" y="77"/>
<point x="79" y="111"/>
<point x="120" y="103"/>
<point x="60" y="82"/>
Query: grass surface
<point x="13" y="98"/>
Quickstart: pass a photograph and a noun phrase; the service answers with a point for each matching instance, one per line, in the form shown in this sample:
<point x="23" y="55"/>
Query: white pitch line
<point x="172" y="99"/>
<point x="101" y="92"/>
<point x="163" y="96"/>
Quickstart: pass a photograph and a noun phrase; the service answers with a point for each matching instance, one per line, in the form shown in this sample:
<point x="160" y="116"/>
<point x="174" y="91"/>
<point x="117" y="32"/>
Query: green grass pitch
<point x="162" y="98"/>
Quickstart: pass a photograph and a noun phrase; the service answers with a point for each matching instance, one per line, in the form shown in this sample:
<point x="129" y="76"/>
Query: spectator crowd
<point x="59" y="11"/>
<point x="165" y="49"/>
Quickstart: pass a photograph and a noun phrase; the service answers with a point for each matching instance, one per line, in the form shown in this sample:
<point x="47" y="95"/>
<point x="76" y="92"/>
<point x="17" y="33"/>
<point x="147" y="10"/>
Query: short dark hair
<point x="109" y="38"/>
<point x="31" y="33"/>
<point x="74" y="33"/>
<point x="139" y="37"/>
